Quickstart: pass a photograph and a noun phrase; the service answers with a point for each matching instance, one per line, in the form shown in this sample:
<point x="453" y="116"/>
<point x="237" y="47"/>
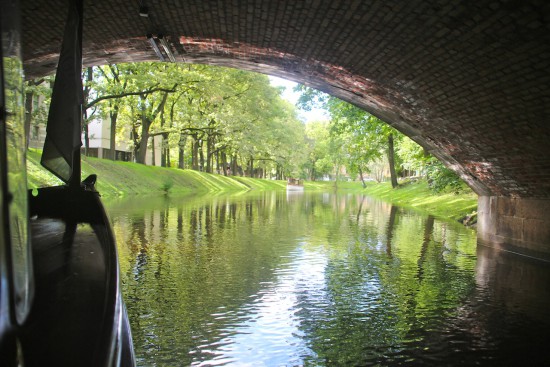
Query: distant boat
<point x="294" y="184"/>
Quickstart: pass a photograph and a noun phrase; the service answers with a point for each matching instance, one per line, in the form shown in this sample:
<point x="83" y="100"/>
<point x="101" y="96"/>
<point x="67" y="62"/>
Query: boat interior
<point x="75" y="312"/>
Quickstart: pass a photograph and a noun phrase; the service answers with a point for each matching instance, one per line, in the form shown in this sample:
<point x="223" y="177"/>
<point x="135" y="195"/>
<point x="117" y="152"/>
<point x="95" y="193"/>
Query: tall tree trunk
<point x="163" y="143"/>
<point x="112" y="139"/>
<point x="209" y="154"/>
<point x="362" y="178"/>
<point x="201" y="155"/>
<point x="142" y="147"/>
<point x="162" y="150"/>
<point x="163" y="140"/>
<point x="337" y="177"/>
<point x="135" y="138"/>
<point x="234" y="165"/>
<point x="28" y="116"/>
<point x="313" y="171"/>
<point x="153" y="151"/>
<point x="89" y="78"/>
<point x="86" y="137"/>
<point x="195" y="153"/>
<point x="213" y="155"/>
<point x="146" y="122"/>
<point x="251" y="167"/>
<point x="391" y="161"/>
<point x="181" y="151"/>
<point x="224" y="163"/>
<point x="181" y="164"/>
<point x="166" y="150"/>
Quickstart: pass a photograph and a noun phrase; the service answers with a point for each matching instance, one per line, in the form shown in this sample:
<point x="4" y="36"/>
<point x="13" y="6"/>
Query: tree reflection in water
<point x="317" y="279"/>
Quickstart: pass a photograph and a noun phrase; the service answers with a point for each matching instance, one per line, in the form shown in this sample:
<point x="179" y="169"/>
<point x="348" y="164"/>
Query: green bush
<point x="441" y="179"/>
<point x="167" y="185"/>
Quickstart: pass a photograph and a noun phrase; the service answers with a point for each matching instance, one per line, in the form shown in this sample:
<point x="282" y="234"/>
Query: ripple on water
<point x="321" y="281"/>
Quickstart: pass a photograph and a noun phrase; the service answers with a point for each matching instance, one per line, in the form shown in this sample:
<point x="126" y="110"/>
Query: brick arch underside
<point x="497" y="157"/>
<point x="468" y="83"/>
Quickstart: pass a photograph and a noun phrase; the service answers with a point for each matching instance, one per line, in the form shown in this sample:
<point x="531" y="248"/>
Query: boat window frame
<point x="13" y="174"/>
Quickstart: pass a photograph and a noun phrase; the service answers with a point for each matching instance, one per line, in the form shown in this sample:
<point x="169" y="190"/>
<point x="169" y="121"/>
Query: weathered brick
<point x="468" y="81"/>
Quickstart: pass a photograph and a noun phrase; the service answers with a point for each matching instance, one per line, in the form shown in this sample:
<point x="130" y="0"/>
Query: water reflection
<point x="270" y="279"/>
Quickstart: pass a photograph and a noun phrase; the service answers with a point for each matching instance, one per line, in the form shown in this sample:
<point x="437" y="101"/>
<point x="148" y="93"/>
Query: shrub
<point x="167" y="185"/>
<point x="440" y="178"/>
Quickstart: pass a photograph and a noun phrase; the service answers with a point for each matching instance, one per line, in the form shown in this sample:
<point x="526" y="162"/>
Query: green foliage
<point x="362" y="137"/>
<point x="316" y="136"/>
<point x="441" y="179"/>
<point x="205" y="115"/>
<point x="364" y="142"/>
<point x="413" y="156"/>
<point x="167" y="185"/>
<point x="210" y="118"/>
<point x="123" y="178"/>
<point x="38" y="93"/>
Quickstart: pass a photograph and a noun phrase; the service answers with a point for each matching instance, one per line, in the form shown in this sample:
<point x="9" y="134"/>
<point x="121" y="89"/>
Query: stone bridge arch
<point x="468" y="80"/>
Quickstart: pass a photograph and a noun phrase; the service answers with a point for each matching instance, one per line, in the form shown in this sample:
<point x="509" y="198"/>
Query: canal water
<point x="306" y="279"/>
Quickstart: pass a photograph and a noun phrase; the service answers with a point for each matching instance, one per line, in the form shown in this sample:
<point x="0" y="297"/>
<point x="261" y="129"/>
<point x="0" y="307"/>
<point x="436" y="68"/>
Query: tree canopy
<point x="367" y="145"/>
<point x="231" y="121"/>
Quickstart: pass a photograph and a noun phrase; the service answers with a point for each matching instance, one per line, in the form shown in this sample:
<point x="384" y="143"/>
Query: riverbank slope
<point x="117" y="179"/>
<point x="417" y="195"/>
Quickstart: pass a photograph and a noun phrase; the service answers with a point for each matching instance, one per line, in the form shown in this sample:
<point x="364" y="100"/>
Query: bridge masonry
<point x="467" y="80"/>
<point x="515" y="224"/>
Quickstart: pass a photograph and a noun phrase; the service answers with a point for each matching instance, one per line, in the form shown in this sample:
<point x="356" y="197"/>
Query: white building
<point x="99" y="133"/>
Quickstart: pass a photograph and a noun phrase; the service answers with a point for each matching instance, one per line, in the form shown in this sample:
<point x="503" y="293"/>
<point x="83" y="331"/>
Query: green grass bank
<point x="116" y="179"/>
<point x="417" y="195"/>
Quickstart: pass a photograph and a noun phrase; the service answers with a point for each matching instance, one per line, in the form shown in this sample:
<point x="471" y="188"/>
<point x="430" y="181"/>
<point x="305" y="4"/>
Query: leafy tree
<point x="114" y="75"/>
<point x="37" y="101"/>
<point x="370" y="142"/>
<point x="414" y="157"/>
<point x="130" y="84"/>
<point x="440" y="178"/>
<point x="366" y="135"/>
<point x="138" y="93"/>
<point x="208" y="118"/>
<point x="317" y="137"/>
